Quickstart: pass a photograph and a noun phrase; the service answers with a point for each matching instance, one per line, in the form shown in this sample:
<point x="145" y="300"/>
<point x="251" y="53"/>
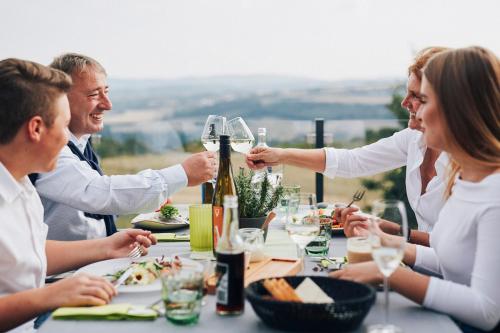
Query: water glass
<point x="320" y="246"/>
<point x="182" y="292"/>
<point x="359" y="249"/>
<point x="253" y="241"/>
<point x="200" y="229"/>
<point x="283" y="208"/>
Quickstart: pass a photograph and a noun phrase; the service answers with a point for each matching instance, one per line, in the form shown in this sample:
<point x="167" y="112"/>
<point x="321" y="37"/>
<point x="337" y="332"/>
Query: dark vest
<point x="90" y="157"/>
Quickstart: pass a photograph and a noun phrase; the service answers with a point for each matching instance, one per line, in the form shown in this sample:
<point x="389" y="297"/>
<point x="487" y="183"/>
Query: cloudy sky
<point x="330" y="39"/>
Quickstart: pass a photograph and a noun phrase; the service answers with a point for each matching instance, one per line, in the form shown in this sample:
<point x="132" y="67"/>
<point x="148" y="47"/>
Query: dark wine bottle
<point x="224" y="185"/>
<point x="207" y="192"/>
<point x="230" y="269"/>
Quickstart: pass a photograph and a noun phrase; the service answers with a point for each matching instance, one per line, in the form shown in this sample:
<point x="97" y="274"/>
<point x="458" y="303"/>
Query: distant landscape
<point x="165" y="114"/>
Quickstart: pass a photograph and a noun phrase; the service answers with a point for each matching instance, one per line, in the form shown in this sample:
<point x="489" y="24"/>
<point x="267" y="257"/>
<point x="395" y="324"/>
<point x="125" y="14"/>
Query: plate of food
<point x="146" y="272"/>
<point x="165" y="218"/>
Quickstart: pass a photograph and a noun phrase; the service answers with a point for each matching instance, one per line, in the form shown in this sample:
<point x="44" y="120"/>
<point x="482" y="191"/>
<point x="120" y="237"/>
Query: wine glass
<point x="302" y="224"/>
<point x="387" y="250"/>
<point x="241" y="137"/>
<point x="214" y="127"/>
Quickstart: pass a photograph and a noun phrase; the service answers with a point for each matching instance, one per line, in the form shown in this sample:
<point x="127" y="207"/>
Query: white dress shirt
<point x="465" y="249"/>
<point x="23" y="263"/>
<point x="74" y="188"/>
<point x="403" y="148"/>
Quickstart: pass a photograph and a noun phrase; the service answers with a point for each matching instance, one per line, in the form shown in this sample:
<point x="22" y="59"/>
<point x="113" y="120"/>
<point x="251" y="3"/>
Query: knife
<point x="123" y="277"/>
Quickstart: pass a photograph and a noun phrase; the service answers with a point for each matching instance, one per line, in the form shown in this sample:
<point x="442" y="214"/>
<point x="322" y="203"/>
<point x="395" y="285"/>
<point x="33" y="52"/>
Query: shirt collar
<point x="487" y="190"/>
<point x="10" y="188"/>
<point x="80" y="143"/>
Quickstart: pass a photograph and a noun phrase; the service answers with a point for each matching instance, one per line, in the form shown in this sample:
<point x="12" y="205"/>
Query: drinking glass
<point x="253" y="241"/>
<point x="214" y="127"/>
<point x="182" y="292"/>
<point x="303" y="224"/>
<point x="241" y="137"/>
<point x="387" y="250"/>
<point x="283" y="204"/>
<point x="200" y="227"/>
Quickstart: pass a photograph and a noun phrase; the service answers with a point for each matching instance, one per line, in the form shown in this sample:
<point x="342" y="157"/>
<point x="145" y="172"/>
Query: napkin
<point x="106" y="312"/>
<point x="171" y="237"/>
<point x="310" y="292"/>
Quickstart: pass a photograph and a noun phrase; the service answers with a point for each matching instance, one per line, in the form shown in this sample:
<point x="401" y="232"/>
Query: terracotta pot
<point x="253" y="222"/>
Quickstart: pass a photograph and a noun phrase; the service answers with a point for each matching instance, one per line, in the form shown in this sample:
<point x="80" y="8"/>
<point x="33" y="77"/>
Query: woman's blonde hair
<point x="422" y="57"/>
<point x="467" y="84"/>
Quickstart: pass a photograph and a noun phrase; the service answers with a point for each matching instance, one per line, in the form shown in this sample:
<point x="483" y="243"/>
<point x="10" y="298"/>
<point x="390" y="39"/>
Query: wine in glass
<point x="303" y="223"/>
<point x="387" y="250"/>
<point x="241" y="137"/>
<point x="214" y="127"/>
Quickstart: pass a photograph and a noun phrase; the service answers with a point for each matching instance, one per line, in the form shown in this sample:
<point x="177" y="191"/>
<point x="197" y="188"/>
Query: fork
<point x="358" y="195"/>
<point x="135" y="253"/>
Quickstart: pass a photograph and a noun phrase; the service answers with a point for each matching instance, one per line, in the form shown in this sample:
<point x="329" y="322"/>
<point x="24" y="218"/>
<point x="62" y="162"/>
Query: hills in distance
<point x="252" y="97"/>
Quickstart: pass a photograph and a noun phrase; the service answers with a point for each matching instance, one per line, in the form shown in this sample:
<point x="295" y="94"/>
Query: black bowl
<point x="352" y="303"/>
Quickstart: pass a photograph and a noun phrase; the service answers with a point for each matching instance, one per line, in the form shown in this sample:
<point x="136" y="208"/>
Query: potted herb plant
<point x="255" y="199"/>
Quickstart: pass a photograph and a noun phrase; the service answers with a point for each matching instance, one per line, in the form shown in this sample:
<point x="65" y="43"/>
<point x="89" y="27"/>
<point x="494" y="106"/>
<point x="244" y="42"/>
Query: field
<point x="334" y="190"/>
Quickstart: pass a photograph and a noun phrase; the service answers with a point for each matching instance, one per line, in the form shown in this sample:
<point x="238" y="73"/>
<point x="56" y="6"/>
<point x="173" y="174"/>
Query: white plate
<point x="154" y="221"/>
<point x="111" y="266"/>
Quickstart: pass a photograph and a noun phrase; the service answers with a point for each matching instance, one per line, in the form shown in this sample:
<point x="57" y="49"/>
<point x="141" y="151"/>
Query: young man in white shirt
<point x="79" y="200"/>
<point x="35" y="114"/>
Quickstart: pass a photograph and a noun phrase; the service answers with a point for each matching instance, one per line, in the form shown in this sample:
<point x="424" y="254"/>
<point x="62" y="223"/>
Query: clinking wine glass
<point x="242" y="138"/>
<point x="387" y="250"/>
<point x="215" y="126"/>
<point x="303" y="224"/>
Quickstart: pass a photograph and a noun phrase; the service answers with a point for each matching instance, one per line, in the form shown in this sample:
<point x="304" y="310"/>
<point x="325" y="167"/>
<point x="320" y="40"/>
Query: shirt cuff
<point x="425" y="258"/>
<point x="331" y="162"/>
<point x="175" y="177"/>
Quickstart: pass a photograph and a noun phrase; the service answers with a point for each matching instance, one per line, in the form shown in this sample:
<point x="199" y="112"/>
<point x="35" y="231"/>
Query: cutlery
<point x="123" y="277"/>
<point x="135" y="253"/>
<point x="358" y="195"/>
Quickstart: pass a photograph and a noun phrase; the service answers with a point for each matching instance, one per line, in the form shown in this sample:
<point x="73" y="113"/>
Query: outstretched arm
<point x="312" y="159"/>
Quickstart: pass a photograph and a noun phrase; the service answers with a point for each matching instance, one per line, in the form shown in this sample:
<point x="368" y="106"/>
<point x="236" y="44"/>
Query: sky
<point x="322" y="39"/>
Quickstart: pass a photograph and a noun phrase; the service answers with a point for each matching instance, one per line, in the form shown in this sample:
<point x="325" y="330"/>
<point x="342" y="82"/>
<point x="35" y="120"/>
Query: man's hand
<point x="260" y="157"/>
<point x="200" y="167"/>
<point x="78" y="290"/>
<point x="121" y="243"/>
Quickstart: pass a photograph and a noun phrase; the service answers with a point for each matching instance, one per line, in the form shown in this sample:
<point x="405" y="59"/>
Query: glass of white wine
<point x="302" y="223"/>
<point x="241" y="137"/>
<point x="387" y="250"/>
<point x="215" y="126"/>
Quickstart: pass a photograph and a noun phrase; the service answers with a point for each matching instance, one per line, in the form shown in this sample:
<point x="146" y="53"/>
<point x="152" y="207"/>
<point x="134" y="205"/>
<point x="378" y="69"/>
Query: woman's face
<point x="411" y="102"/>
<point x="430" y="117"/>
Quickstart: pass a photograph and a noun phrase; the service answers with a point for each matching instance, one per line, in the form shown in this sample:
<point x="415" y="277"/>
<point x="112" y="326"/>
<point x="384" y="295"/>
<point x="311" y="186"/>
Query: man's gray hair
<point x="74" y="63"/>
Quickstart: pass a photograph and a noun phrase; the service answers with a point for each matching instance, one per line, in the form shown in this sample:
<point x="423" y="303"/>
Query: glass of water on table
<point x="303" y="224"/>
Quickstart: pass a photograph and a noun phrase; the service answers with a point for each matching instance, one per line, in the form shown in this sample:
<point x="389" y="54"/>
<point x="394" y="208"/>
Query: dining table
<point x="410" y="316"/>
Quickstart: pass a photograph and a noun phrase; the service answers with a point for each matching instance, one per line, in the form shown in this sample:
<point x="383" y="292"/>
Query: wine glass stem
<point x="386" y="295"/>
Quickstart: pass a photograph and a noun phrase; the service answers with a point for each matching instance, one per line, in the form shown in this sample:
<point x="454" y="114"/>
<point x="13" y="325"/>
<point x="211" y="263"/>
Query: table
<point x="403" y="312"/>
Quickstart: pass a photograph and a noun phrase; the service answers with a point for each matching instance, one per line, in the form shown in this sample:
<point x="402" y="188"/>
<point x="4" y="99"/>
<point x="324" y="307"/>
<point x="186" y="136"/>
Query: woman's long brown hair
<point x="467" y="84"/>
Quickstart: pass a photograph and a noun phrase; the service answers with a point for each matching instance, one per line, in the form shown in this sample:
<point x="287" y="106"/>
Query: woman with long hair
<point x="460" y="114"/>
<point x="425" y="171"/>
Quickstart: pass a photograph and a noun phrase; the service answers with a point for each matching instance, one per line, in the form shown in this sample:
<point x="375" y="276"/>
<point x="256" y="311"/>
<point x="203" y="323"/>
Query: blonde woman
<point x="425" y="166"/>
<point x="460" y="115"/>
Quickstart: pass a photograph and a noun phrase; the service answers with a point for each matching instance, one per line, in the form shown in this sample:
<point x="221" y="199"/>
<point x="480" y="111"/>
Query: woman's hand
<point x="78" y="290"/>
<point x="260" y="157"/>
<point x="365" y="272"/>
<point x="121" y="243"/>
<point x="354" y="225"/>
